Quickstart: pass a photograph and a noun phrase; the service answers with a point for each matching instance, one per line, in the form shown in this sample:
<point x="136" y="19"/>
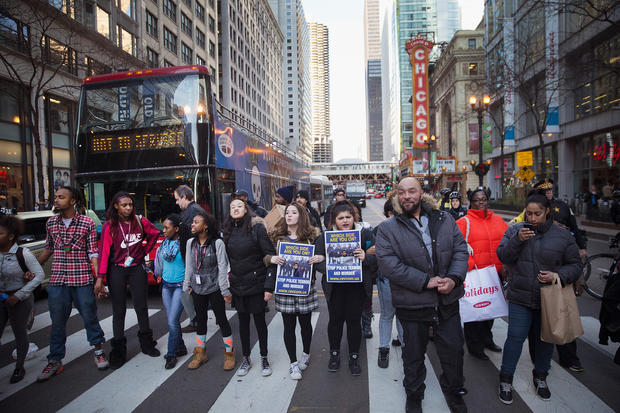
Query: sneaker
<point x="266" y="371"/>
<point x="542" y="390"/>
<point x="396" y="342"/>
<point x="334" y="361"/>
<point x="354" y="365"/>
<point x="18" y="375"/>
<point x="384" y="357"/>
<point x="576" y="367"/>
<point x="505" y="392"/>
<point x="171" y="362"/>
<point x="53" y="368"/>
<point x="294" y="371"/>
<point x="100" y="360"/>
<point x="304" y="361"/>
<point x="246" y="365"/>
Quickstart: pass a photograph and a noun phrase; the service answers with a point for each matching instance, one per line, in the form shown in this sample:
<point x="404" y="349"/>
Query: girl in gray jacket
<point x="15" y="292"/>
<point x="206" y="279"/>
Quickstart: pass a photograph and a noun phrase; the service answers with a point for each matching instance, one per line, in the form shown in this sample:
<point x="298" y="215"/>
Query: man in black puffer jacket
<point x="423" y="254"/>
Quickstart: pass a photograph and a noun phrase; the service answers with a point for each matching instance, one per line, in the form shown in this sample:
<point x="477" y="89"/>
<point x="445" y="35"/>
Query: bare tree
<point x="43" y="53"/>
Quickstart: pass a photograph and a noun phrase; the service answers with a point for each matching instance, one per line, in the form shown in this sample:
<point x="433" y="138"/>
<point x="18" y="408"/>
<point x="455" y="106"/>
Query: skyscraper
<point x="295" y="76"/>
<point x="400" y="21"/>
<point x="322" y="149"/>
<point x="372" y="52"/>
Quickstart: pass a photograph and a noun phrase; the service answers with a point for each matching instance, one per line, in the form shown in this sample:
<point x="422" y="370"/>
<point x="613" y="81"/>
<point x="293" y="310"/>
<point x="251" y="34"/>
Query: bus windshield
<point x="143" y="122"/>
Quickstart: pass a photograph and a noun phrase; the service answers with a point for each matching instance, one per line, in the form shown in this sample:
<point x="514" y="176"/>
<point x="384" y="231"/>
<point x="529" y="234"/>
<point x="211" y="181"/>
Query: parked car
<point x="379" y="195"/>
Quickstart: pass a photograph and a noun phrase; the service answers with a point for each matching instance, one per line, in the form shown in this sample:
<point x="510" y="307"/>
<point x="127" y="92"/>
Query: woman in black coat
<point x="535" y="252"/>
<point x="345" y="300"/>
<point x="252" y="277"/>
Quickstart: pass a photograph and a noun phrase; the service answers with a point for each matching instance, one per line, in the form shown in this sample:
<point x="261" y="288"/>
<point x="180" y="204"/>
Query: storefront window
<point x="60" y="117"/>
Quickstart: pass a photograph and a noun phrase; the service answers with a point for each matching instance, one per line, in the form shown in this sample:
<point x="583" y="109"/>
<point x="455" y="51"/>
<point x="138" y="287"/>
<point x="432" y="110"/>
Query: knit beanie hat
<point x="287" y="192"/>
<point x="304" y="194"/>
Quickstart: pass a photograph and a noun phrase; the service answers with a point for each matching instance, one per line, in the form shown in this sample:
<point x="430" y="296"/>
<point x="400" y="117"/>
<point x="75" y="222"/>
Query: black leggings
<point x="117" y="283"/>
<point x="244" y="332"/>
<point x="290" y="341"/>
<point x="345" y="304"/>
<point x="201" y="303"/>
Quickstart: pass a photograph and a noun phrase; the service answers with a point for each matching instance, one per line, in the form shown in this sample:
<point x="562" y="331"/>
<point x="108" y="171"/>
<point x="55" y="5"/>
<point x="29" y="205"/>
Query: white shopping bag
<point x="484" y="298"/>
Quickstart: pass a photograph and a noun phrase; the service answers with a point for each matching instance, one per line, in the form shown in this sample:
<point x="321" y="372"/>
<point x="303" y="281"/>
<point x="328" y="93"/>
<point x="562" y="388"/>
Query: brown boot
<point x="200" y="358"/>
<point x="229" y="360"/>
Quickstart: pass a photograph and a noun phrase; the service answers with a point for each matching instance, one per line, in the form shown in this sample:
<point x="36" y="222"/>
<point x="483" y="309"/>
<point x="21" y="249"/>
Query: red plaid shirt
<point x="71" y="268"/>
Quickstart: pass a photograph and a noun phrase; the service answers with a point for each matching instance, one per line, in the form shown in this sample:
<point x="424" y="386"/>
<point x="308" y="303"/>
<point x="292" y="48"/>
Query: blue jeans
<point x="387" y="314"/>
<point x="60" y="299"/>
<point x="520" y="319"/>
<point x="171" y="296"/>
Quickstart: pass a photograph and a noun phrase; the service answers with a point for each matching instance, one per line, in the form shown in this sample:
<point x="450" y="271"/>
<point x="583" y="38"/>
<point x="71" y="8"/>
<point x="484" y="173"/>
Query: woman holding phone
<point x="535" y="254"/>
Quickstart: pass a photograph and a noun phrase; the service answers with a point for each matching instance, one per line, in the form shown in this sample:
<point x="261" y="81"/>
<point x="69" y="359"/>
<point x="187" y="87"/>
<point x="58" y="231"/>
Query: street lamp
<point x="483" y="105"/>
<point x="429" y="142"/>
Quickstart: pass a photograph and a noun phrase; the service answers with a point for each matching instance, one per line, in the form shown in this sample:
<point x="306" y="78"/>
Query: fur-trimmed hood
<point x="257" y="220"/>
<point x="428" y="204"/>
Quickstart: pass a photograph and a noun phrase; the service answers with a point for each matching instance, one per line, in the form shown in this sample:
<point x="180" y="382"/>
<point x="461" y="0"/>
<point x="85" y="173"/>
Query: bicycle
<point x="598" y="269"/>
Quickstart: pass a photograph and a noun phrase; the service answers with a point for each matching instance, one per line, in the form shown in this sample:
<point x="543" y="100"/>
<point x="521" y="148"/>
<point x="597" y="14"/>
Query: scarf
<point x="169" y="249"/>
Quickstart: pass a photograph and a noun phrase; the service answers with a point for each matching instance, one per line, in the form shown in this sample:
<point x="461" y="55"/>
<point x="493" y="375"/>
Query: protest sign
<point x="342" y="266"/>
<point x="295" y="275"/>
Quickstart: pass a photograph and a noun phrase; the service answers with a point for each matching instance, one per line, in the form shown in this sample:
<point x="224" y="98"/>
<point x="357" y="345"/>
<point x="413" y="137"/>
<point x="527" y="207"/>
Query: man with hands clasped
<point x="423" y="254"/>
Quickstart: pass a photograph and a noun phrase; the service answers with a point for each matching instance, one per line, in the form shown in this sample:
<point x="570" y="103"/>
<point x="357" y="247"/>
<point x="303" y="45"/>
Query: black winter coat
<point x="404" y="260"/>
<point x="552" y="249"/>
<point x="249" y="271"/>
<point x="369" y="265"/>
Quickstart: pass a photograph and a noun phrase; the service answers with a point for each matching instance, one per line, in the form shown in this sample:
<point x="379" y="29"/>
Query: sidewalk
<point x="594" y="229"/>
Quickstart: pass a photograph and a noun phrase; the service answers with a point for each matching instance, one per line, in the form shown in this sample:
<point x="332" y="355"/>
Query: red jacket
<point x="139" y="240"/>
<point x="485" y="234"/>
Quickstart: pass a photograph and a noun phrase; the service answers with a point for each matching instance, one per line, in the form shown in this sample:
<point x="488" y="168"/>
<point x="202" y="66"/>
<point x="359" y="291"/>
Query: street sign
<point x="525" y="158"/>
<point x="525" y="174"/>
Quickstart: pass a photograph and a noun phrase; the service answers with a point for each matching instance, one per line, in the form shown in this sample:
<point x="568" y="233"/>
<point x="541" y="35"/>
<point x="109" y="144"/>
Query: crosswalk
<point x="143" y="383"/>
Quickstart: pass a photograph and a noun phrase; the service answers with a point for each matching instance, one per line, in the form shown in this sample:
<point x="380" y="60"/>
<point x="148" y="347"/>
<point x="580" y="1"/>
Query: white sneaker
<point x="294" y="371"/>
<point x="266" y="367"/>
<point x="246" y="364"/>
<point x="304" y="361"/>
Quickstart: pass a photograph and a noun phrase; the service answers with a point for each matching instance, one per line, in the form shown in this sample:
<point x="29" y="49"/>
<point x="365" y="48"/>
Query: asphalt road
<point x="143" y="385"/>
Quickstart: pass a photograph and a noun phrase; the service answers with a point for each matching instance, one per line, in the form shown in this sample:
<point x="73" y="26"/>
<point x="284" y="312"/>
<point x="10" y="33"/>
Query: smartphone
<point x="528" y="226"/>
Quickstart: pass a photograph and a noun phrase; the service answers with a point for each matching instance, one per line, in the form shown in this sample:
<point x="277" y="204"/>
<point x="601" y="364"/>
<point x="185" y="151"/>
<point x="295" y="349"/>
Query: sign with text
<point x="419" y="48"/>
<point x="295" y="275"/>
<point x="342" y="266"/>
<point x="525" y="158"/>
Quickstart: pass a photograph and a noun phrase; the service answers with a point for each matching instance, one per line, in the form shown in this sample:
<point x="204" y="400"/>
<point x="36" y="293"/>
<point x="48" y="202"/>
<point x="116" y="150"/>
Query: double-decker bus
<point x="149" y="131"/>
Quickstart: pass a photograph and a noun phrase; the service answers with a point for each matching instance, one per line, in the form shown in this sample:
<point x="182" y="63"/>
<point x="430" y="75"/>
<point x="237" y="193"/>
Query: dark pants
<point x="567" y="353"/>
<point x="118" y="277"/>
<point x="478" y="335"/>
<point x="345" y="304"/>
<point x="448" y="339"/>
<point x="290" y="341"/>
<point x="244" y="332"/>
<point x="201" y="303"/>
<point x="18" y="315"/>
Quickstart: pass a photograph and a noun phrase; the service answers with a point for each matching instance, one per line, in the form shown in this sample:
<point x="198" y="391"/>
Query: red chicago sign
<point x="419" y="49"/>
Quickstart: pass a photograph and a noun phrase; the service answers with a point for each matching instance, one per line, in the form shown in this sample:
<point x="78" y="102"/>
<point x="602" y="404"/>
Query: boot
<point x="229" y="360"/>
<point x="147" y="344"/>
<point x="366" y="324"/>
<point x="200" y="358"/>
<point x="384" y="357"/>
<point x="414" y="404"/>
<point x="118" y="355"/>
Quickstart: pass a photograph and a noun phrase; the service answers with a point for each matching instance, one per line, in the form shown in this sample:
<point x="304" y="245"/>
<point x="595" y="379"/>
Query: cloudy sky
<point x="346" y="50"/>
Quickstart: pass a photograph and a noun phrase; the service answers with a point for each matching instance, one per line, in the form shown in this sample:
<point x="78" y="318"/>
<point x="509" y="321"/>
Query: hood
<point x="258" y="220"/>
<point x="427" y="201"/>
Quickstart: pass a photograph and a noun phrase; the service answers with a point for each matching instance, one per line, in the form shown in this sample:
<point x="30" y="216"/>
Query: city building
<point x="47" y="48"/>
<point x="250" y="64"/>
<point x="400" y="21"/>
<point x="372" y="59"/>
<point x="456" y="75"/>
<point x="295" y="76"/>
<point x="322" y="147"/>
<point x="553" y="72"/>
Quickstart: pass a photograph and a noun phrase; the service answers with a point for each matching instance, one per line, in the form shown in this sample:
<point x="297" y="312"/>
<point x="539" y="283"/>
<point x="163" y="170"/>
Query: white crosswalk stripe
<point x="567" y="393"/>
<point x="263" y="394"/>
<point x="76" y="345"/>
<point x="151" y="372"/>
<point x="41" y="321"/>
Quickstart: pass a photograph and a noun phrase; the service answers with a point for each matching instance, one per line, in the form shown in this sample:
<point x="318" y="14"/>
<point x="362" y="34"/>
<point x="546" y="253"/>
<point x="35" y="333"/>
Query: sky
<point x="345" y="20"/>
